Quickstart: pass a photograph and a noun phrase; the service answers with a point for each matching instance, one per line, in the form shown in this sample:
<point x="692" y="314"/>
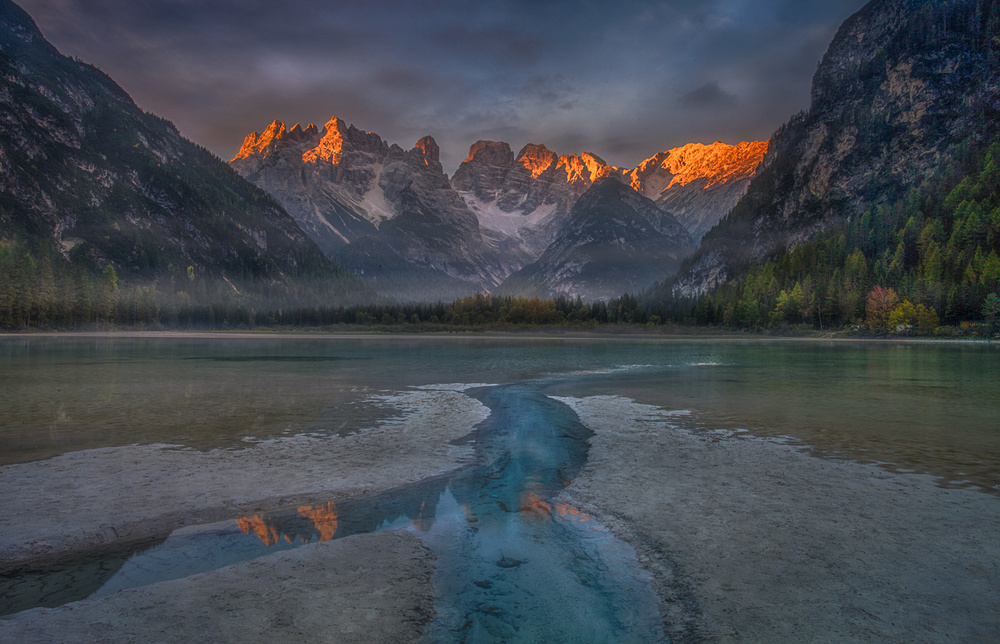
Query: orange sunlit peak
<point x="585" y="167"/>
<point x="255" y="143"/>
<point x="536" y="159"/>
<point x="330" y="147"/>
<point x="717" y="163"/>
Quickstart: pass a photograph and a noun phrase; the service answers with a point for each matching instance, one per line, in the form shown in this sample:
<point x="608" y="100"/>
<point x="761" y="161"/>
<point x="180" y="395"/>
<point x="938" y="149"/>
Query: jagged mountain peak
<point x="585" y="168"/>
<point x="328" y="145"/>
<point x="428" y="148"/>
<point x="430" y="152"/>
<point x="483" y="172"/>
<point x="536" y="159"/>
<point x="301" y="132"/>
<point x="491" y="152"/>
<point x="339" y="138"/>
<point x="274" y="135"/>
<point x="717" y="163"/>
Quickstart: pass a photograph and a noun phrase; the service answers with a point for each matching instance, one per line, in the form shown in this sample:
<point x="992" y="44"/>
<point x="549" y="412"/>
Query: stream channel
<point x="513" y="562"/>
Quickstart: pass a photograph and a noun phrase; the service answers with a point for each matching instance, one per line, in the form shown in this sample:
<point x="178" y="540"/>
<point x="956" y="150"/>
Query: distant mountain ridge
<point x="528" y="197"/>
<point x="614" y="241"/>
<point x="497" y="214"/>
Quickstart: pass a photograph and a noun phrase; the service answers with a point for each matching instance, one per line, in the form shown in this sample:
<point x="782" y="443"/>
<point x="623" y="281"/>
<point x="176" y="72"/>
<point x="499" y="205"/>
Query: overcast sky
<point x="623" y="79"/>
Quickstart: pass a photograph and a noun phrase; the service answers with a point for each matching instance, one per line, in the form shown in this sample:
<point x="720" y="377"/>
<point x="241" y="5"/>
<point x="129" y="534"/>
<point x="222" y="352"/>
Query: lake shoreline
<point x="534" y="335"/>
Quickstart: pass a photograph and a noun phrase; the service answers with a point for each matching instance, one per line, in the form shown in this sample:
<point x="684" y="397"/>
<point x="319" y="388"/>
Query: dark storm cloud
<point x="623" y="79"/>
<point x="552" y="89"/>
<point x="502" y="45"/>
<point x="709" y="95"/>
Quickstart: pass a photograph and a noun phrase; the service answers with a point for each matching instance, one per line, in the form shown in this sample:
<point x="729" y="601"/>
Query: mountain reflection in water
<point x="320" y="522"/>
<point x="509" y="555"/>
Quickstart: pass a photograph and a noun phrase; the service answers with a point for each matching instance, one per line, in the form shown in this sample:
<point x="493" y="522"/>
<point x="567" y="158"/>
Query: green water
<point x="928" y="408"/>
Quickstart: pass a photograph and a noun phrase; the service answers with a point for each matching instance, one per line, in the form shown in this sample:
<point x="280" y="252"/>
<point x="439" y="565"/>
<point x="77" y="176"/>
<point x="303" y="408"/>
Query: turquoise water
<point x="510" y="556"/>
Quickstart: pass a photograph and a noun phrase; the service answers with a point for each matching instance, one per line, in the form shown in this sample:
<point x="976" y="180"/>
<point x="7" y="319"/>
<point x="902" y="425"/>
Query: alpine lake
<point x="516" y="559"/>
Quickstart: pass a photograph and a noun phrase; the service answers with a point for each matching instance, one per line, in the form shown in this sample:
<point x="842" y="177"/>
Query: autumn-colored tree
<point x="903" y="318"/>
<point x="881" y="302"/>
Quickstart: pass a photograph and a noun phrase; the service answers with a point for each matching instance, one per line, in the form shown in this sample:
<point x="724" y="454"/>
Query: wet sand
<point x="753" y="540"/>
<point x="103" y="496"/>
<point x="365" y="588"/>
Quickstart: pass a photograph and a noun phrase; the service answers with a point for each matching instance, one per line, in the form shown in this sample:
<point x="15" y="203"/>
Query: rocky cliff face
<point x="614" y="241"/>
<point x="85" y="172"/>
<point x="904" y="85"/>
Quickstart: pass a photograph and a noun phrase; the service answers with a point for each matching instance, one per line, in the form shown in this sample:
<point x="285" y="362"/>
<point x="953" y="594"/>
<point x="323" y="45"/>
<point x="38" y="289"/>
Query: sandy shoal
<point x="753" y="540"/>
<point x="103" y="496"/>
<point x="364" y="588"/>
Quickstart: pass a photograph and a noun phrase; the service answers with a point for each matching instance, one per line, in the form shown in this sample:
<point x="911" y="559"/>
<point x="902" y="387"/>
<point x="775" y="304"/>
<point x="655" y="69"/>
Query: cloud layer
<point x="622" y="79"/>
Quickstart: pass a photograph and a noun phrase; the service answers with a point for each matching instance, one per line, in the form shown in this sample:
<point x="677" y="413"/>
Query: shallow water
<point x="510" y="556"/>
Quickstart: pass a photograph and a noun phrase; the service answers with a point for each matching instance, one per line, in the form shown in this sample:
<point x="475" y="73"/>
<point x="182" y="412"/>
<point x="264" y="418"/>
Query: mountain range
<point x="887" y="179"/>
<point x="99" y="183"/>
<point x="394" y="218"/>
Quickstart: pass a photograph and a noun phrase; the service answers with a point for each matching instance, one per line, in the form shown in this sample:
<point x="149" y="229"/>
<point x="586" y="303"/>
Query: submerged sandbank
<point x="753" y="540"/>
<point x="120" y="494"/>
<point x="364" y="588"/>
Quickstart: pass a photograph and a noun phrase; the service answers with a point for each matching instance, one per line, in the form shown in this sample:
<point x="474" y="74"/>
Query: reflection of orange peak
<point x="535" y="506"/>
<point x="260" y="527"/>
<point x="569" y="512"/>
<point x="324" y="517"/>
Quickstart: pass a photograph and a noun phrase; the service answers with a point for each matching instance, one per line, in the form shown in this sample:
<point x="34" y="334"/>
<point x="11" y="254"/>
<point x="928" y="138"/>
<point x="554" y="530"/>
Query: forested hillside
<point x="930" y="257"/>
<point x="102" y="203"/>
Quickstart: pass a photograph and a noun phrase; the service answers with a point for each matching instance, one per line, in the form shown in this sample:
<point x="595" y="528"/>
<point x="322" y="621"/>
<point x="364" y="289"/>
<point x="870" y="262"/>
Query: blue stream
<point x="513" y="564"/>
